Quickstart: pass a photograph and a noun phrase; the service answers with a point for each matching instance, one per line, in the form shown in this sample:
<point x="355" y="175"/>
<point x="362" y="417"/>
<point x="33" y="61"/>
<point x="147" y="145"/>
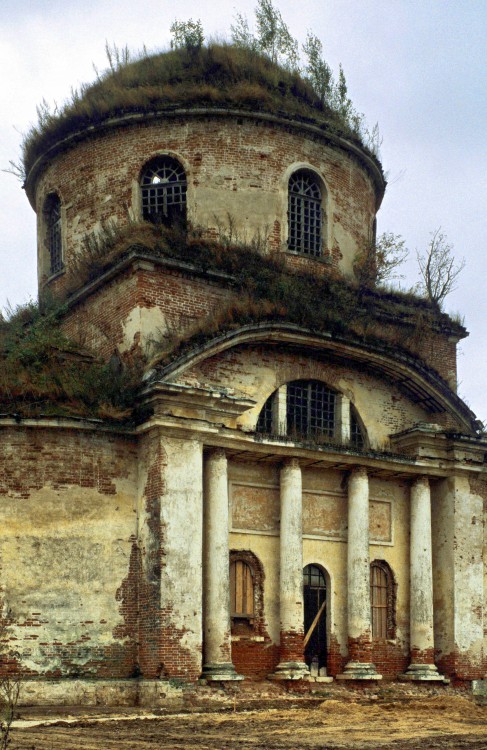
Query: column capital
<point x="217" y="454"/>
<point x="360" y="471"/>
<point x="291" y="463"/>
<point x="421" y="481"/>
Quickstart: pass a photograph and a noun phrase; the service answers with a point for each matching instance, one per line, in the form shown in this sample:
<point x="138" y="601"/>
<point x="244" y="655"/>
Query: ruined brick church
<point x="292" y="503"/>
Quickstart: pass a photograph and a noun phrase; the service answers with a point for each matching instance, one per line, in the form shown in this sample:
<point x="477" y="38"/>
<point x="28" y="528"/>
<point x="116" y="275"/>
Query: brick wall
<point x="236" y="166"/>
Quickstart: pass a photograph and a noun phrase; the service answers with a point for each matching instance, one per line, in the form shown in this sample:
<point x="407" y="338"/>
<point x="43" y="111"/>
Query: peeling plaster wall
<point x="68" y="522"/>
<point x="458" y="566"/>
<point x="171" y="519"/>
<point x="254" y="504"/>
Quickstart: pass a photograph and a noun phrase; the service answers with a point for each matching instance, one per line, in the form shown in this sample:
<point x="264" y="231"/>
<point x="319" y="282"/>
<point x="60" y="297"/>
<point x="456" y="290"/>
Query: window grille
<point x="241" y="590"/>
<point x="264" y="422"/>
<point x="54" y="240"/>
<point x="313" y="577"/>
<point x="356" y="434"/>
<point x="380" y="600"/>
<point x="310" y="409"/>
<point x="163" y="187"/>
<point x="305" y="214"/>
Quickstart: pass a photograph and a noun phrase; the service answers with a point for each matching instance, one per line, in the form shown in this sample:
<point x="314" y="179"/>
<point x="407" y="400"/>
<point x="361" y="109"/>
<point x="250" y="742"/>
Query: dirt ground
<point x="347" y="721"/>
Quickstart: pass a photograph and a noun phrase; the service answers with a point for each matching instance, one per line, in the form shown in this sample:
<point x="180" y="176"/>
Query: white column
<point x="279" y="411"/>
<point x="291" y="665"/>
<point x="343" y="418"/>
<point x="422" y="646"/>
<point x="359" y="666"/>
<point x="216" y="573"/>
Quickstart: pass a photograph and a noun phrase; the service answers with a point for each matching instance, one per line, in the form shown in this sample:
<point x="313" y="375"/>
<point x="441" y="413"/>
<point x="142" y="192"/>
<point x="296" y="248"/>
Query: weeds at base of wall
<point x="9" y="698"/>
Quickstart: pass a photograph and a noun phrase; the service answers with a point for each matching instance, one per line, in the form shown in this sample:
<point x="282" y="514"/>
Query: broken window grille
<point x="163" y="187"/>
<point x="305" y="214"/>
<point x="54" y="239"/>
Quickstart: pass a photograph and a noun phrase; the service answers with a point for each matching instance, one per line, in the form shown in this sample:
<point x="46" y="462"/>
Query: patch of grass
<point x="42" y="371"/>
<point x="215" y="75"/>
<point x="265" y="288"/>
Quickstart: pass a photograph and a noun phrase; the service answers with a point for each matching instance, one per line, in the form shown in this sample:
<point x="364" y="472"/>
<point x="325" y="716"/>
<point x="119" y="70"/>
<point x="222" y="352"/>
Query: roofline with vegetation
<point x="421" y="383"/>
<point x="303" y="124"/>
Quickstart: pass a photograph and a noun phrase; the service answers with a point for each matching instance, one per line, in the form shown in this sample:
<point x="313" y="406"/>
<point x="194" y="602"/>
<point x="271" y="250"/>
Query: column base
<point x="291" y="670"/>
<point x="356" y="670"/>
<point x="220" y="672"/>
<point x="423" y="673"/>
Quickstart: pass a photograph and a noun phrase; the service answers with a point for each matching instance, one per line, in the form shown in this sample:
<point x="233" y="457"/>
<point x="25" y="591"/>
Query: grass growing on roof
<point x="212" y="76"/>
<point x="43" y="371"/>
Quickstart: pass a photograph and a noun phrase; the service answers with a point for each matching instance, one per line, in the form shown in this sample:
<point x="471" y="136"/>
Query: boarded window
<point x="241" y="590"/>
<point x="382" y="600"/>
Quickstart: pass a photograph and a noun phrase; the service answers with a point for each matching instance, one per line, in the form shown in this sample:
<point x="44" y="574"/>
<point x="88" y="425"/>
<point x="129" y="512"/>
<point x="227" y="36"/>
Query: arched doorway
<point x="314" y="594"/>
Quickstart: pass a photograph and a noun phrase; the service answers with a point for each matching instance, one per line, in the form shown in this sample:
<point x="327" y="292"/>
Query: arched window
<point x="305" y="214"/>
<point x="163" y="190"/>
<point x="52" y="216"/>
<point x="242" y="606"/>
<point x="310" y="409"/>
<point x="382" y="600"/>
<point x="314" y="599"/>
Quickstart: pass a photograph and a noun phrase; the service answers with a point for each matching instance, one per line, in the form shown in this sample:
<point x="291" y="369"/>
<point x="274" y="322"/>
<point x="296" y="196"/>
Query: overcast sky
<point x="418" y="67"/>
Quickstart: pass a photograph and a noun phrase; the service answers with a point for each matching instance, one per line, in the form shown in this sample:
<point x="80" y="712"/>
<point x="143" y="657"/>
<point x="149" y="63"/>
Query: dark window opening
<point x="264" y="422"/>
<point x="53" y="234"/>
<point x="163" y="187"/>
<point x="314" y="596"/>
<point x="305" y="214"/>
<point x="356" y="432"/>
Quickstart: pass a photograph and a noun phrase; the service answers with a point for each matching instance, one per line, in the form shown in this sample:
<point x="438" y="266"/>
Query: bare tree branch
<point x="438" y="268"/>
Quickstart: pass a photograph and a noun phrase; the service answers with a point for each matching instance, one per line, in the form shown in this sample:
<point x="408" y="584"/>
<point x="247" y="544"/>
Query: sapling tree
<point x="380" y="260"/>
<point x="438" y="268"/>
<point x="187" y="34"/>
<point x="317" y="70"/>
<point x="272" y="37"/>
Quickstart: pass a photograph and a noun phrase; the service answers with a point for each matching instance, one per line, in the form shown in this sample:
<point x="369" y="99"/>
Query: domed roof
<point x="217" y="76"/>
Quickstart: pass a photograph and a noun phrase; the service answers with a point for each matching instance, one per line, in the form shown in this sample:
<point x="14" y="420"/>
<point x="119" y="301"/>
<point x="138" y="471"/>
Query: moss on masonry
<point x="44" y="371"/>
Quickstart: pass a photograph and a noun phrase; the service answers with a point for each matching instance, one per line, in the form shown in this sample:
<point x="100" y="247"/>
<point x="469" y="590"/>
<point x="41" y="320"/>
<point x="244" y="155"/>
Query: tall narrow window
<point x="241" y="591"/>
<point x="382" y="600"/>
<point x="52" y="213"/>
<point x="163" y="188"/>
<point x="305" y="214"/>
<point x="314" y="595"/>
<point x="310" y="409"/>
